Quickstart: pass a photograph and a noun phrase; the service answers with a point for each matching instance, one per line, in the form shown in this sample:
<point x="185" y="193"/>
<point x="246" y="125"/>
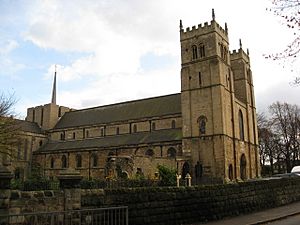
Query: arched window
<point x="74" y="135"/>
<point x="153" y="126"/>
<point x="78" y="161"/>
<point x="243" y="164"/>
<point x="117" y="130"/>
<point x="230" y="172"/>
<point x="202" y="124"/>
<point x="171" y="152"/>
<point x="241" y="126"/>
<point x="173" y="124"/>
<point x="201" y="51"/>
<point x="195" y="52"/>
<point x="52" y="162"/>
<point x="134" y="128"/>
<point x="63" y="161"/>
<point x="94" y="160"/>
<point x="87" y="134"/>
<point x="185" y="170"/>
<point x="149" y="152"/>
<point x="198" y="169"/>
<point x="40" y="143"/>
<point x="62" y="136"/>
<point x="102" y="132"/>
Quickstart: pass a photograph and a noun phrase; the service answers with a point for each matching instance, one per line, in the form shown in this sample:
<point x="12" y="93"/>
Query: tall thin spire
<point x="53" y="101"/>
<point x="213" y="14"/>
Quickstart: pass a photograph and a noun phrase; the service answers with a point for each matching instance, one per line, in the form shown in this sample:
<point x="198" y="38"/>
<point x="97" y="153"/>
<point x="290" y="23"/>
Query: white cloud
<point x="123" y="87"/>
<point x="7" y="46"/>
<point x="114" y="36"/>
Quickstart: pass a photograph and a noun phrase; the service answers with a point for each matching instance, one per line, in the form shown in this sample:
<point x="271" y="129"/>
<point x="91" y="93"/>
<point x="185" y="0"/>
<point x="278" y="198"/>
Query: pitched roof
<point x="27" y="126"/>
<point x="115" y="141"/>
<point x="145" y="108"/>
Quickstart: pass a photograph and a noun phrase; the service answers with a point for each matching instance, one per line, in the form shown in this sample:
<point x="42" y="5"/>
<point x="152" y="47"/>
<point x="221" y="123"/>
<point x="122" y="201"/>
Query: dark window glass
<point x="202" y="51"/>
<point x="241" y="126"/>
<point x="149" y="152"/>
<point x="173" y="125"/>
<point x="78" y="161"/>
<point x="153" y="126"/>
<point x="94" y="160"/>
<point x="52" y="162"/>
<point x="195" y="52"/>
<point x="171" y="153"/>
<point x="63" y="161"/>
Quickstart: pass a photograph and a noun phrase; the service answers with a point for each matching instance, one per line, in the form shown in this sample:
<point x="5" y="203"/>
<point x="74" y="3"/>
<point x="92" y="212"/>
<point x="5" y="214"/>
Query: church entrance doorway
<point x="185" y="170"/>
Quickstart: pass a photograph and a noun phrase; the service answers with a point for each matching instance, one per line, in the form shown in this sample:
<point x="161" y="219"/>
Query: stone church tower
<point x="208" y="130"/>
<point x="46" y="116"/>
<point x="219" y="139"/>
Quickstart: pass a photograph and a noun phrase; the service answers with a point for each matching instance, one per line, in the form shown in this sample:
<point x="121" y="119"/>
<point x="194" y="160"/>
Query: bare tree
<point x="269" y="144"/>
<point x="289" y="12"/>
<point x="285" y="124"/>
<point x="9" y="137"/>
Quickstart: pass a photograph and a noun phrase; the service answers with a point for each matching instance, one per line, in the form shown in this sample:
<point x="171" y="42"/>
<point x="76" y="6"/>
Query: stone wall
<point x="35" y="201"/>
<point x="171" y="205"/>
<point x="160" y="206"/>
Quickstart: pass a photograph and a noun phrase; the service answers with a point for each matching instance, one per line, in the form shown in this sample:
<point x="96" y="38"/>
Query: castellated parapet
<point x="205" y="28"/>
<point x="239" y="54"/>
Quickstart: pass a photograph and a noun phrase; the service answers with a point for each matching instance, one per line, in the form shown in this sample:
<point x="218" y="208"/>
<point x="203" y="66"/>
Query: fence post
<point x="5" y="191"/>
<point x="69" y="181"/>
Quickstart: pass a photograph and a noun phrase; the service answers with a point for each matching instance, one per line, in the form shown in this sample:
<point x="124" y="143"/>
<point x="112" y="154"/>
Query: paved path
<point x="259" y="218"/>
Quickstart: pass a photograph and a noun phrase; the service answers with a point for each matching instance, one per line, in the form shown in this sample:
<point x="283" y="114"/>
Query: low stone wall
<point x="160" y="205"/>
<point x="35" y="201"/>
<point x="171" y="206"/>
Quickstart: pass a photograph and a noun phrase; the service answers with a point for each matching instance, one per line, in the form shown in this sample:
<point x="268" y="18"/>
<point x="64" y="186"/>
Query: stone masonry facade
<point x="209" y="129"/>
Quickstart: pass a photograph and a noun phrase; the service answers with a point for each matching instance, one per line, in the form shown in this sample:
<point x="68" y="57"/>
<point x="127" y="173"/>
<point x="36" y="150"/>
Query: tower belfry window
<point x="202" y="124"/>
<point x="195" y="52"/>
<point x="201" y="51"/>
<point x="241" y="126"/>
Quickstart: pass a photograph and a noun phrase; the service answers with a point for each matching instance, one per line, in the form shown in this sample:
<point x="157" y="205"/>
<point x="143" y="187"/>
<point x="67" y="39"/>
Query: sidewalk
<point x="262" y="217"/>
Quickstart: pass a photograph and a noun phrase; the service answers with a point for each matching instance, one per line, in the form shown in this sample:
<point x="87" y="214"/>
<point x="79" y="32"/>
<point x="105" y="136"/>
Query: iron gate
<point x="100" y="216"/>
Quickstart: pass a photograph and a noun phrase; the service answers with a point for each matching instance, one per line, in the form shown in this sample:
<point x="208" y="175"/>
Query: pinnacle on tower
<point x="226" y="28"/>
<point x="53" y="101"/>
<point x="213" y="14"/>
<point x="241" y="46"/>
<point x="180" y="25"/>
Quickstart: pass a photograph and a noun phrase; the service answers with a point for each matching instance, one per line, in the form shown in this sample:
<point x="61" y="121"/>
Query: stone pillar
<point x="5" y="192"/>
<point x="178" y="177"/>
<point x="69" y="181"/>
<point x="188" y="179"/>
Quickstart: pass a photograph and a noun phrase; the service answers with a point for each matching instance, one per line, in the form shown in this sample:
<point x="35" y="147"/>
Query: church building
<point x="209" y="129"/>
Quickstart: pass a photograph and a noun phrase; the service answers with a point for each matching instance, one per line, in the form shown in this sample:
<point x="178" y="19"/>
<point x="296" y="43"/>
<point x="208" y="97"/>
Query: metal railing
<point x="100" y="216"/>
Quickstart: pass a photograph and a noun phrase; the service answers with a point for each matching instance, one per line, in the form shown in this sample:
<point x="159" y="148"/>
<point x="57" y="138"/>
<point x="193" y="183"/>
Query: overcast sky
<point x="110" y="51"/>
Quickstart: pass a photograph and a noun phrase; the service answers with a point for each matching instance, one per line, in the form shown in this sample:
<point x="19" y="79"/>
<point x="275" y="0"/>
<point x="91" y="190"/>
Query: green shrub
<point x="167" y="176"/>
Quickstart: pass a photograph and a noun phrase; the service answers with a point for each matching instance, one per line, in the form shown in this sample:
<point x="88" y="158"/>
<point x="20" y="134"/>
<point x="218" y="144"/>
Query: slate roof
<point x="27" y="126"/>
<point x="115" y="141"/>
<point x="145" y="108"/>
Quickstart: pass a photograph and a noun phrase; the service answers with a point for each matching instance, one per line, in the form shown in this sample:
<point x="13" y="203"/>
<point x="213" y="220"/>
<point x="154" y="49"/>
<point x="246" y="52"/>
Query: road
<point x="292" y="220"/>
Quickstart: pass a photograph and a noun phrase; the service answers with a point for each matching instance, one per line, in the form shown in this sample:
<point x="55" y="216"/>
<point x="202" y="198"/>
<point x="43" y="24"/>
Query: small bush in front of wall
<point x="167" y="176"/>
<point x="16" y="184"/>
<point x="34" y="184"/>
